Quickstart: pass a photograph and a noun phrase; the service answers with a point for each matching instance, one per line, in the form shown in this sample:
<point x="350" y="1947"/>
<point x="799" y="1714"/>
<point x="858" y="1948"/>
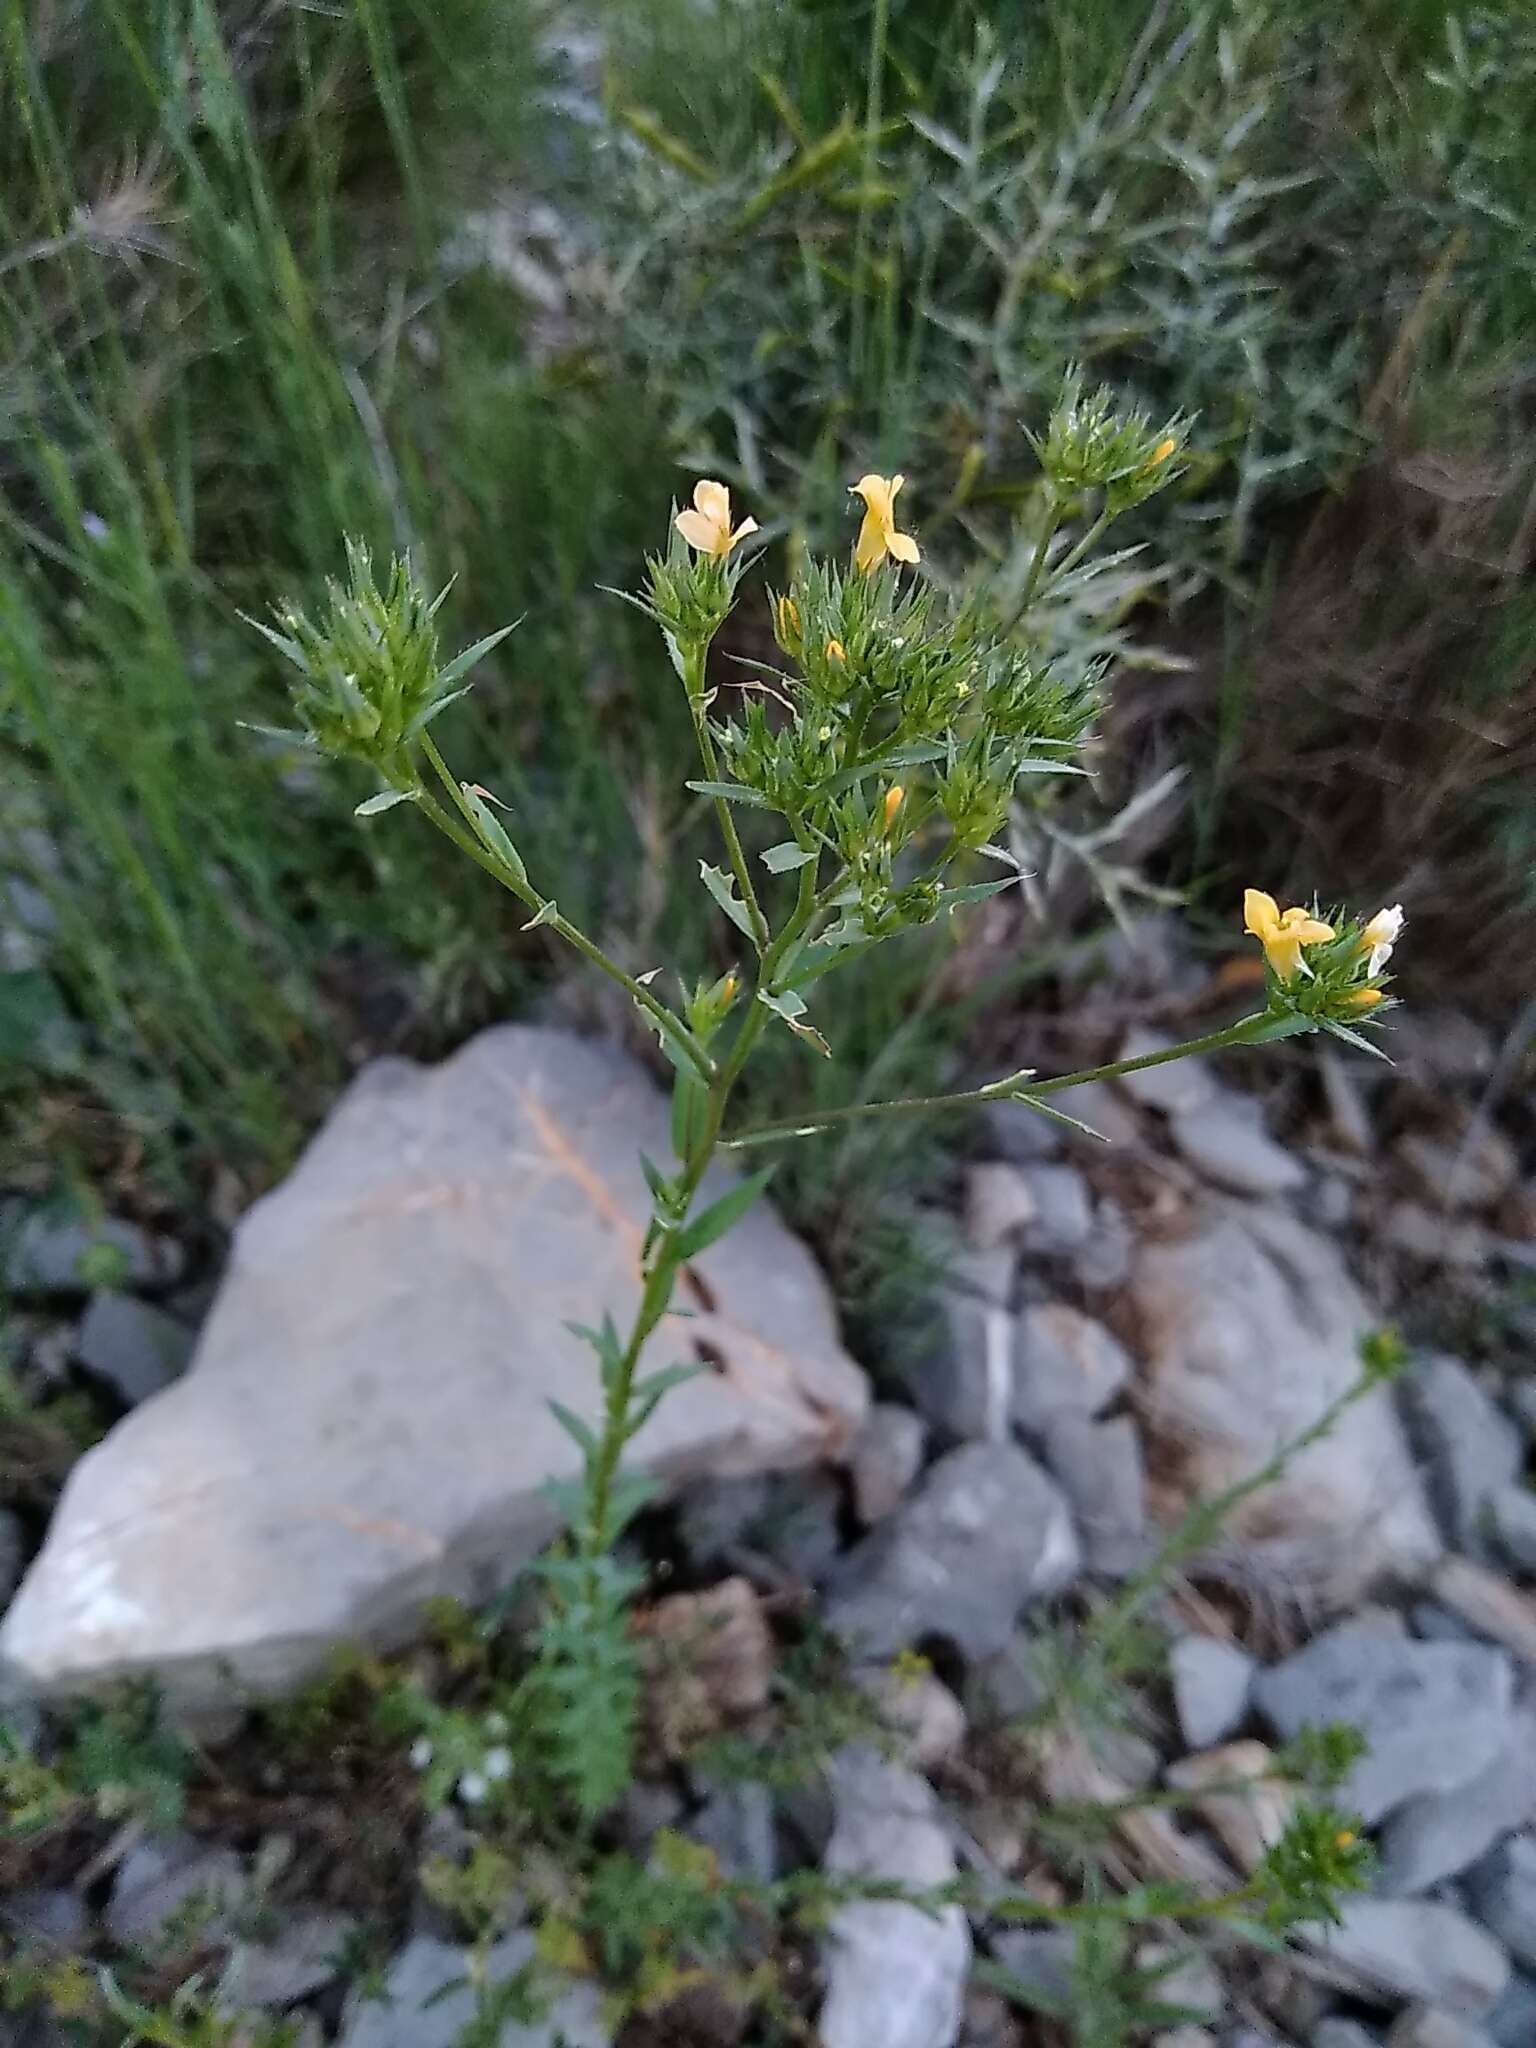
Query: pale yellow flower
<point x="1282" y="934"/>
<point x="894" y="798"/>
<point x="1380" y="936"/>
<point x="878" y="536"/>
<point x="706" y="524"/>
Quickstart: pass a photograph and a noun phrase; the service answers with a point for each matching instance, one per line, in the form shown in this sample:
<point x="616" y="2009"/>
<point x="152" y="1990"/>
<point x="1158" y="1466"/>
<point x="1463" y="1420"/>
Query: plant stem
<point x="467" y="837"/>
<point x="1037" y="566"/>
<point x="693" y="682"/>
<point x="1019" y="1087"/>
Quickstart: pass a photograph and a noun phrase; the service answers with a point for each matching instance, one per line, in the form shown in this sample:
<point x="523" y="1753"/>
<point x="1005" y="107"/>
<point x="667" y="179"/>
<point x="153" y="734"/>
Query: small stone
<point x="171" y="1886"/>
<point x="1470" y="1446"/>
<point x="1175" y="1086"/>
<point x="1511" y="2023"/>
<point x="998" y="1204"/>
<point x="1391" y="1950"/>
<point x="1098" y="1466"/>
<point x="985" y="1533"/>
<point x="1212" y="1681"/>
<point x="1349" y="1119"/>
<point x="1192" y="1982"/>
<point x="1511" y="1520"/>
<point x="13" y="1554"/>
<point x="921" y="1712"/>
<point x="1521" y="1397"/>
<point x="1502" y="1893"/>
<point x="1427" y="2026"/>
<point x="1457" y="1175"/>
<point x="1185" y="2037"/>
<point x="1249" y="2037"/>
<point x="1418" y="1233"/>
<point x="1021" y="1135"/>
<point x="884" y="1459"/>
<point x="1439" y="1834"/>
<point x="45" y="1253"/>
<point x="303" y="1956"/>
<point x="1441" y="1044"/>
<point x="1064" y="1364"/>
<point x="1248" y="1822"/>
<point x="895" y="1974"/>
<point x="55" y="1916"/>
<point x="963" y="1384"/>
<point x="1063" y="1213"/>
<point x="736" y="1822"/>
<point x="1011" y="1684"/>
<point x="1040" y="1957"/>
<point x="1103" y="1264"/>
<point x="1433" y="1714"/>
<point x="1337" y="2033"/>
<point x="135" y="1348"/>
<point x="1225" y="1139"/>
<point x="1488" y="1604"/>
<point x="429" y="2001"/>
<point x="711" y="1660"/>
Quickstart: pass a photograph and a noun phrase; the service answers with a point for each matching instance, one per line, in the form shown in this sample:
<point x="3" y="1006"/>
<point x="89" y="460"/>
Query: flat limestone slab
<point x="366" y="1421"/>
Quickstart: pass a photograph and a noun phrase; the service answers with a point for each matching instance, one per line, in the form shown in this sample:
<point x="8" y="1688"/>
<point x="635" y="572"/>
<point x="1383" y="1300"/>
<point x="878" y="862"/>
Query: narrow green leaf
<point x="383" y="800"/>
<point x="721" y="1216"/>
<point x="784" y="858"/>
<point x="1354" y="1038"/>
<point x="492" y="833"/>
<point x="461" y="664"/>
<point x="290" y="650"/>
<point x="977" y="892"/>
<point x="723" y="888"/>
<point x="733" y="793"/>
<point x="581" y="1433"/>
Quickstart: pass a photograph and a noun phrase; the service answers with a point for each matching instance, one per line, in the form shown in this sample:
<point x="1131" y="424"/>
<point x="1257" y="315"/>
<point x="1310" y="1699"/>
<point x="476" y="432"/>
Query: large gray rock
<point x="1511" y="1525"/>
<point x="366" y="1423"/>
<point x="1250" y="1328"/>
<point x="1226" y="1138"/>
<point x="1426" y="2026"/>
<point x="1440" y="1834"/>
<point x="895" y="1974"/>
<point x="430" y="1998"/>
<point x="1434" y="1715"/>
<point x="304" y="1952"/>
<point x="1511" y="2023"/>
<point x="1392" y="1950"/>
<point x="1502" y="1892"/>
<point x="1471" y="1447"/>
<point x="984" y="1533"/>
<point x="171" y="1886"/>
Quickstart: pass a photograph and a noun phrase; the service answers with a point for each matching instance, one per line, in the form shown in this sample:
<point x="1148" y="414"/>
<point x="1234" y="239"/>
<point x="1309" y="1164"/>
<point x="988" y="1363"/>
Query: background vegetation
<point x="494" y="281"/>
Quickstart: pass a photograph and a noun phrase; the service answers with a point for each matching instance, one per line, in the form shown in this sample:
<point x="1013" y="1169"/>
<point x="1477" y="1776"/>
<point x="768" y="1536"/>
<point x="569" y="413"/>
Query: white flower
<point x="1379" y="937"/>
<point x="496" y="1724"/>
<point x="473" y="1788"/>
<point x="421" y="1753"/>
<point x="496" y="1764"/>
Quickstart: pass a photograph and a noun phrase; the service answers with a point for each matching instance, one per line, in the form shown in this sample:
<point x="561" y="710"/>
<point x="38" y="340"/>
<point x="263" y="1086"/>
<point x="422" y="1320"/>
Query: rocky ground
<point x="869" y="1582"/>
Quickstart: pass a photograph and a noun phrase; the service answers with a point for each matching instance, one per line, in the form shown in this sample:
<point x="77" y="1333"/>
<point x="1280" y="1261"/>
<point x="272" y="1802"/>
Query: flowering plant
<point x="886" y="748"/>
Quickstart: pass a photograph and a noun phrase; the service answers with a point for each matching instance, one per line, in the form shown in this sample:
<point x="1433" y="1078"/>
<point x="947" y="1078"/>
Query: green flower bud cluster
<point x="690" y="595"/>
<point x="1090" y="444"/>
<point x="1319" y="1858"/>
<point x="369" y="681"/>
<point x="899" y="715"/>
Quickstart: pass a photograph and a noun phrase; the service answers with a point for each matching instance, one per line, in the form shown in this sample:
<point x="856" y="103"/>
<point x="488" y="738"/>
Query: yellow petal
<point x="747" y="526"/>
<point x="871" y="544"/>
<point x="902" y="546"/>
<point x="876" y="493"/>
<point x="1261" y="913"/>
<point x="714" y="501"/>
<point x="699" y="531"/>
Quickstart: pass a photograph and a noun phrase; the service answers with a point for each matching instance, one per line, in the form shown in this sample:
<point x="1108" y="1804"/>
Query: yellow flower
<point x="1282" y="935"/>
<point x="1362" y="999"/>
<point x="878" y="536"/>
<point x="706" y="525"/>
<point x="837" y="652"/>
<point x="1380" y="936"/>
<point x="894" y="797"/>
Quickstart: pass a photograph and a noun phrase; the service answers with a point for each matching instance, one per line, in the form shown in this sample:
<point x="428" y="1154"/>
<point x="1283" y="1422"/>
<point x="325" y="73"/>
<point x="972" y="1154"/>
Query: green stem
<point x="1037" y="566"/>
<point x="467" y="837"/>
<point x="1076" y="553"/>
<point x="693" y="682"/>
<point x="1019" y="1087"/>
